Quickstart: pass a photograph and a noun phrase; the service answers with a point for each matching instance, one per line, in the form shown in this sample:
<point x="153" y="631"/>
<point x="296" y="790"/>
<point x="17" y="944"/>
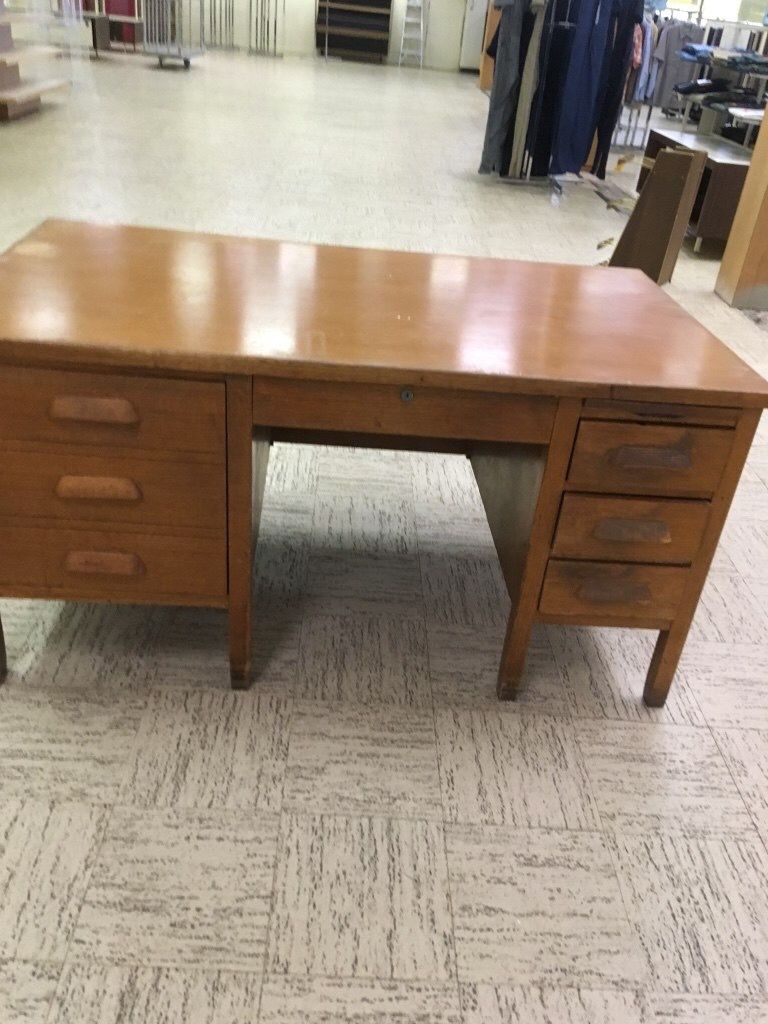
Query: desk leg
<point x="246" y="473"/>
<point x="3" y="657"/>
<point x="521" y="487"/>
<point x="671" y="641"/>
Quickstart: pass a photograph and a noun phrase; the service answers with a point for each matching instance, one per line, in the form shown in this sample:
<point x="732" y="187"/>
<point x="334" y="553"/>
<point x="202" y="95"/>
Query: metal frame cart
<point x="174" y="29"/>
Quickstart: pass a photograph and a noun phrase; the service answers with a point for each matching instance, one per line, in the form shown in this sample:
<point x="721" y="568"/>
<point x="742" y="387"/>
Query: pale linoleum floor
<point x="367" y="835"/>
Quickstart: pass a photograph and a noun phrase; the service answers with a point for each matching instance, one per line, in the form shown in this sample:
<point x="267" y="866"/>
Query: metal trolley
<point x="173" y="29"/>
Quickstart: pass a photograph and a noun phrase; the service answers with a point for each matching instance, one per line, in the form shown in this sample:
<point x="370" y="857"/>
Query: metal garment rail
<point x="266" y="19"/>
<point x="174" y="29"/>
<point x="221" y="24"/>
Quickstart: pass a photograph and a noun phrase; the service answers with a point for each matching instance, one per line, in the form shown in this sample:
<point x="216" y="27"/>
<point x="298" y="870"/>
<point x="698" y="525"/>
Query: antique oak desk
<point x="144" y="373"/>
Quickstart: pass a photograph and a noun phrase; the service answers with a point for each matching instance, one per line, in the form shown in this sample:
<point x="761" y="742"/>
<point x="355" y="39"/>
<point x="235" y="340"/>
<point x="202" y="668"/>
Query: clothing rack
<point x="556" y="92"/>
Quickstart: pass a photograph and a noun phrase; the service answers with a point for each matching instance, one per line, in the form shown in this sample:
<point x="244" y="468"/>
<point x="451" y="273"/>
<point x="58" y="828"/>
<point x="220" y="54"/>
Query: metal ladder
<point x="414" y="34"/>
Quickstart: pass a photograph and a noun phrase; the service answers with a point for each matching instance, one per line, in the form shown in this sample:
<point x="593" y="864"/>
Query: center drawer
<point x="661" y="530"/>
<point x="635" y="458"/>
<point x="68" y="486"/>
<point x="402" y="410"/>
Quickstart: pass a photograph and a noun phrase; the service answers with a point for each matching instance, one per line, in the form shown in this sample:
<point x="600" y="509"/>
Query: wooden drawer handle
<point x="631" y="531"/>
<point x="104" y="563"/>
<point x="98" y="488"/>
<point x="639" y="456"/>
<point x="614" y="591"/>
<point x="117" y="412"/>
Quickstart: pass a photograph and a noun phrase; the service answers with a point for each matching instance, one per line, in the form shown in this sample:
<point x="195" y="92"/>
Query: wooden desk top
<point x="85" y="295"/>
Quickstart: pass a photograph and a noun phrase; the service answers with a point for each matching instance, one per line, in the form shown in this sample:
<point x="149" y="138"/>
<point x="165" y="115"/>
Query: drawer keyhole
<point x="407" y="394"/>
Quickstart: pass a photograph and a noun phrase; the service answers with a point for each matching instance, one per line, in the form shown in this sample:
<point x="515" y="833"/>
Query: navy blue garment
<point x="627" y="14"/>
<point x="554" y="54"/>
<point x="583" y="83"/>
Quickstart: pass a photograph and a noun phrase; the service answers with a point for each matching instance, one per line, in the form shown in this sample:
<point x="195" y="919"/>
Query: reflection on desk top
<point x="718" y="149"/>
<point x="86" y="295"/>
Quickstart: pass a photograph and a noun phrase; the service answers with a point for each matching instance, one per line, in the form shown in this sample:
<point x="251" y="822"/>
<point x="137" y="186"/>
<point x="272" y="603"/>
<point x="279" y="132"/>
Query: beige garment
<point x="528" y="85"/>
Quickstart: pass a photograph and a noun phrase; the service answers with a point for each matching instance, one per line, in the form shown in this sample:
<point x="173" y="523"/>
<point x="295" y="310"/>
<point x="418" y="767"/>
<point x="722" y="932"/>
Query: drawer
<point x="108" y="409"/>
<point x="22" y="557"/>
<point x="402" y="410"/>
<point x="139" y="567"/>
<point x="112" y="490"/>
<point x="648" y="459"/>
<point x="659" y="412"/>
<point x="592" y="526"/>
<point x="600" y="591"/>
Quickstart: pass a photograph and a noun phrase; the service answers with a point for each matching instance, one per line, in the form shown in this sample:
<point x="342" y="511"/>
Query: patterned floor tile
<point x="66" y="745"/>
<point x="26" y="990"/>
<point x="464" y="590"/>
<point x="454" y="531"/>
<point x="210" y="749"/>
<point x="660" y="777"/>
<point x="679" y="1008"/>
<point x="276" y="648"/>
<point x="90" y="646"/>
<point x="293" y="1000"/>
<point x="180" y="888"/>
<point x="364" y="524"/>
<point x="701" y="910"/>
<point x="349" y="584"/>
<point x="539" y="908"/>
<point x="365" y="659"/>
<point x="18" y="618"/>
<point x="445" y="479"/>
<point x="751" y="498"/>
<point x="513" y="1004"/>
<point x="604" y="671"/>
<point x="362" y="897"/>
<point x="47" y="851"/>
<point x="92" y="993"/>
<point x="728" y="682"/>
<point x="352" y="471"/>
<point x="292" y="470"/>
<point x="727" y="610"/>
<point x="746" y="543"/>
<point x="352" y="759"/>
<point x="281" y="560"/>
<point x="191" y="650"/>
<point x="520" y="770"/>
<point x="464" y="667"/>
<point x="746" y="754"/>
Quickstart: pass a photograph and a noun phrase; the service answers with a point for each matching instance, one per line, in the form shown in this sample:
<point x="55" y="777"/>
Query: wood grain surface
<point x="127" y="296"/>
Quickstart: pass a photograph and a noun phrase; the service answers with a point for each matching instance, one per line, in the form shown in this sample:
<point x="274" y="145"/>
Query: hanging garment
<point x="583" y="82"/>
<point x="554" y="54"/>
<point x="650" y="36"/>
<point x="506" y="82"/>
<point x="669" y="68"/>
<point x="637" y="47"/>
<point x="628" y="15"/>
<point x="525" y="39"/>
<point x="528" y="85"/>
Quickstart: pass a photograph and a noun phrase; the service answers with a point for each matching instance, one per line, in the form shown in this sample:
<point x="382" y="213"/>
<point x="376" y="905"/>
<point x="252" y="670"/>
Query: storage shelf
<point x="357" y="8"/>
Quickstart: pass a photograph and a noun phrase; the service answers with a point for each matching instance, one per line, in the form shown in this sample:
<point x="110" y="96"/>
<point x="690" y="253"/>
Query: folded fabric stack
<point x="696" y="51"/>
<point x="741" y="60"/>
<point x="723" y="100"/>
<point x="701" y="86"/>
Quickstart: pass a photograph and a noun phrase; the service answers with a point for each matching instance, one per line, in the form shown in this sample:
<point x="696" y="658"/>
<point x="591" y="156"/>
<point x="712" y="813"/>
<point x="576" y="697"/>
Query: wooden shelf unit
<point x="19" y="96"/>
<point x="353" y="31"/>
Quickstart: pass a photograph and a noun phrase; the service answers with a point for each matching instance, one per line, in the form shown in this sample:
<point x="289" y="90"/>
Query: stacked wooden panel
<point x="18" y="96"/>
